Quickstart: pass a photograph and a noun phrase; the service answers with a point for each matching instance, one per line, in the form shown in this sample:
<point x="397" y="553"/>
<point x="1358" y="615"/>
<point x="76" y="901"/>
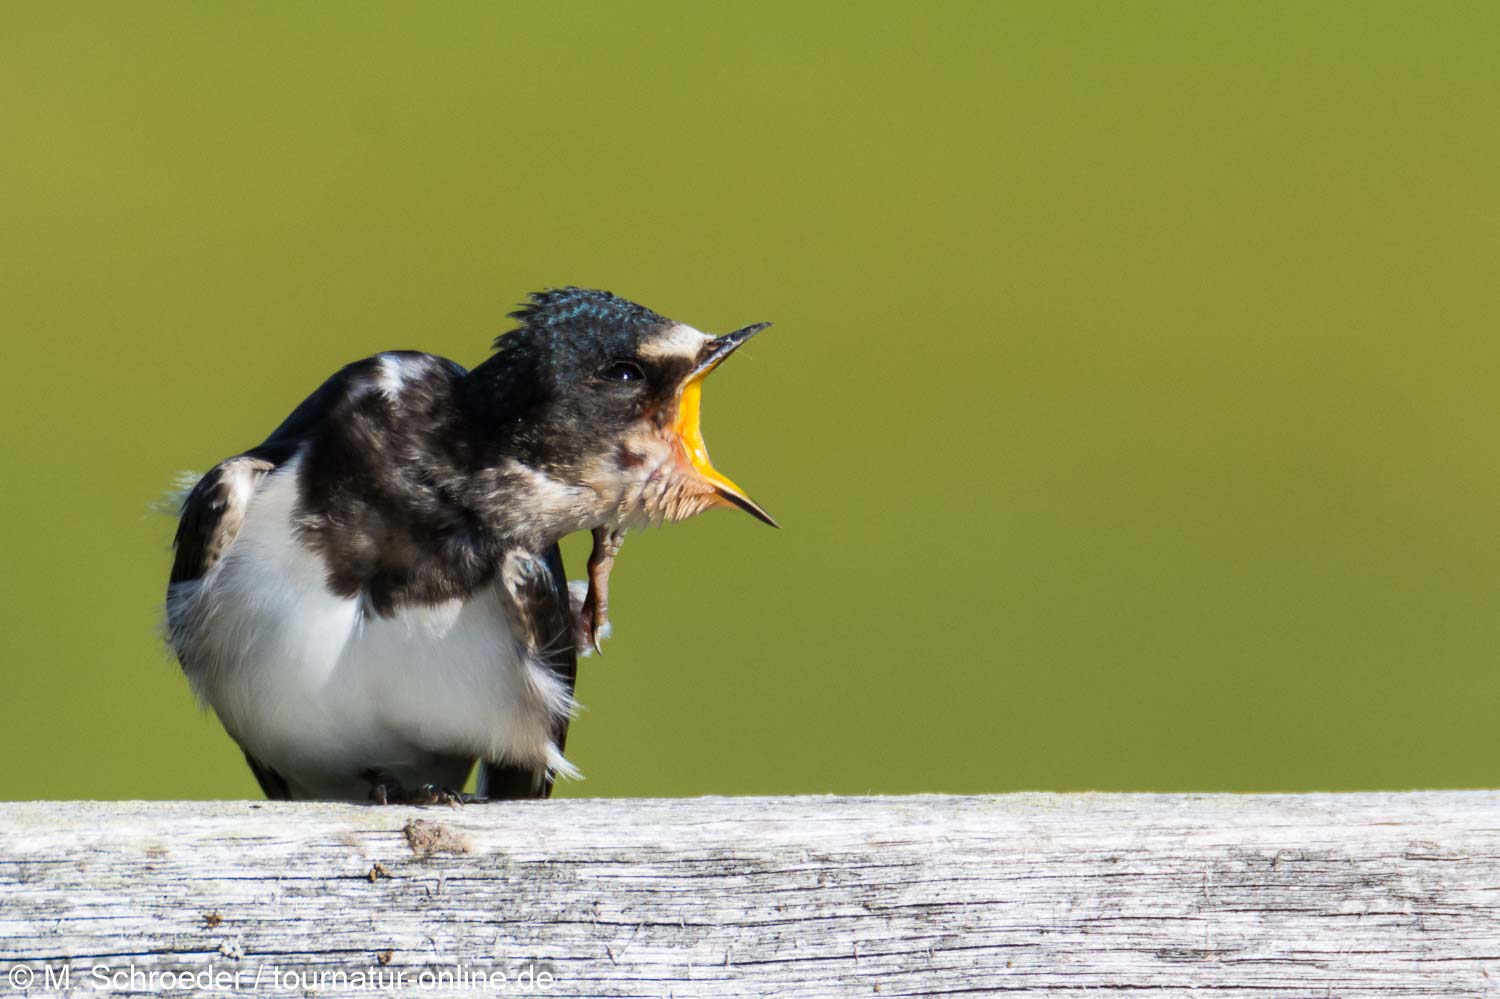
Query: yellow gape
<point x="689" y="428"/>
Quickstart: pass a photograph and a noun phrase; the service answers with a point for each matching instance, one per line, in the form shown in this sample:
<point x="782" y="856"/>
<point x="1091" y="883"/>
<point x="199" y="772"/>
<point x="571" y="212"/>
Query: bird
<point x="373" y="600"/>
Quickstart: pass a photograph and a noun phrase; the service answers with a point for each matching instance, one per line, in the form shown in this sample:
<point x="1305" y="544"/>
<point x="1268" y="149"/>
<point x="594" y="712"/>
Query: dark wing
<point x="212" y="514"/>
<point x="542" y="599"/>
<point x="271" y="782"/>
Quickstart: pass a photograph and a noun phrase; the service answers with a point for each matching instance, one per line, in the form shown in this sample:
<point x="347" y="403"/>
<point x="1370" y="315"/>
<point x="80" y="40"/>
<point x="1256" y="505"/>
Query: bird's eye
<point x="622" y="371"/>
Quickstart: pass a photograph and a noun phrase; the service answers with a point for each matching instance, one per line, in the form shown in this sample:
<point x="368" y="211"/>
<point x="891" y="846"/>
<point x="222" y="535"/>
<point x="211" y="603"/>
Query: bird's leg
<point x="594" y="614"/>
<point x="388" y="791"/>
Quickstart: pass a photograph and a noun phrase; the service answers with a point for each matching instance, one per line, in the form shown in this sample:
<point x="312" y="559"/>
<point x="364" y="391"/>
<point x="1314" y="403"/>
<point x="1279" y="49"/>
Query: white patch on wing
<point x="678" y="340"/>
<point x="242" y="478"/>
<point x="320" y="691"/>
<point x="394" y="371"/>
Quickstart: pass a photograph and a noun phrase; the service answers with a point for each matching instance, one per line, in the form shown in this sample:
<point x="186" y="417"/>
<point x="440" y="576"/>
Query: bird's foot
<point x="593" y="616"/>
<point x="390" y="792"/>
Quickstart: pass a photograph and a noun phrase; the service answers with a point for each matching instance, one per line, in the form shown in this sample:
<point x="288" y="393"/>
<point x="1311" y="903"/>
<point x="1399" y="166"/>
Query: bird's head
<point x="593" y="404"/>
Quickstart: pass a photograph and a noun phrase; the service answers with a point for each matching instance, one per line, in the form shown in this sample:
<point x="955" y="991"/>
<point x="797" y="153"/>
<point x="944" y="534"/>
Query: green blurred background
<point x="1131" y="408"/>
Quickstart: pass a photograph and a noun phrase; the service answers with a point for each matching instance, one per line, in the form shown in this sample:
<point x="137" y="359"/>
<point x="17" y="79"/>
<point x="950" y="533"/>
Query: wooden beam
<point x="1327" y="895"/>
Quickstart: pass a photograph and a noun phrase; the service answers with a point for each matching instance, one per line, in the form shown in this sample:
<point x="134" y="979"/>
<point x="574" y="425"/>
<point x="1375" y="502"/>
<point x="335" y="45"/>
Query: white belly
<point x="322" y="692"/>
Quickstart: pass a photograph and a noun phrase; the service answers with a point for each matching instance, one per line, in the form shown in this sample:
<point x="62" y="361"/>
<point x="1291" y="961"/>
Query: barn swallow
<point x="373" y="599"/>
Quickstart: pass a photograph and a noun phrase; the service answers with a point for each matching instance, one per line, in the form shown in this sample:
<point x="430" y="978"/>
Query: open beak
<point x="689" y="427"/>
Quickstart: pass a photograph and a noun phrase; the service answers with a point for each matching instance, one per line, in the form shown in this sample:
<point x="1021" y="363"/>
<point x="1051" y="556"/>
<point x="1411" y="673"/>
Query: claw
<point x="389" y="792"/>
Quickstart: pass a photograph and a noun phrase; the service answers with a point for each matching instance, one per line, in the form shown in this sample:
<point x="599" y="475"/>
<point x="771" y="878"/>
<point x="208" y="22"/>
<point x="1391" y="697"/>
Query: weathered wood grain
<point x="1047" y="895"/>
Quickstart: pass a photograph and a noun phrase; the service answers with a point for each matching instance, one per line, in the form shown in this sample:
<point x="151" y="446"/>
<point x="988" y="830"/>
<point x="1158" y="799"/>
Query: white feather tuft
<point x="558" y="765"/>
<point x="578" y="592"/>
<point x="169" y="504"/>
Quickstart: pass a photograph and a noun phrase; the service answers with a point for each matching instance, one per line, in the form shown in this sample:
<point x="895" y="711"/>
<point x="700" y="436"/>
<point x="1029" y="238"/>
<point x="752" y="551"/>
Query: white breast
<point x="321" y="691"/>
